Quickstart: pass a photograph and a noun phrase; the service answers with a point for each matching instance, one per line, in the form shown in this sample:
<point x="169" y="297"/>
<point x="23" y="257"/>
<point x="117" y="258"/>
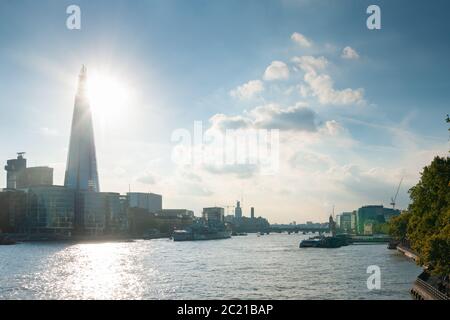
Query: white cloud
<point x="248" y="90"/>
<point x="278" y="70"/>
<point x="349" y="53"/>
<point x="322" y="85"/>
<point x="333" y="127"/>
<point x="310" y="63"/>
<point x="270" y="116"/>
<point x="222" y="122"/>
<point x="301" y="40"/>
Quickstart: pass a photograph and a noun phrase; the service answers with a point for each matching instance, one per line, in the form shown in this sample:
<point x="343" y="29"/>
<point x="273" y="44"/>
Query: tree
<point x="448" y="121"/>
<point x="381" y="228"/>
<point x="428" y="228"/>
<point x="398" y="226"/>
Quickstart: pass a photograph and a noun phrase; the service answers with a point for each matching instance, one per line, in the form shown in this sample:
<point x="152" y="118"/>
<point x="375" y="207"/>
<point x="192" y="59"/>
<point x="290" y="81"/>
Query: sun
<point x="109" y="97"/>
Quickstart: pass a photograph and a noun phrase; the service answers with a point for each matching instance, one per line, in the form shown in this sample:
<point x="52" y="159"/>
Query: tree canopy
<point x="426" y="225"/>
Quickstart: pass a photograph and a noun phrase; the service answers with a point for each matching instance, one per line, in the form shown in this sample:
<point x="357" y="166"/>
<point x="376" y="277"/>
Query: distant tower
<point x="81" y="170"/>
<point x="252" y="213"/>
<point x="332" y="226"/>
<point x="13" y="169"/>
<point x="238" y="211"/>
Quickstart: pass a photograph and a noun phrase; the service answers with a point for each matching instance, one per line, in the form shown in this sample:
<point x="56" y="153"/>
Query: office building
<point x="345" y="222"/>
<point x="50" y="210"/>
<point x="18" y="176"/>
<point x="389" y="213"/>
<point x="35" y="176"/>
<point x="213" y="214"/>
<point x="81" y="170"/>
<point x="12" y="210"/>
<point x="151" y="202"/>
<point x="373" y="214"/>
<point x="101" y="213"/>
<point x="238" y="210"/>
<point x="176" y="213"/>
<point x="14" y="168"/>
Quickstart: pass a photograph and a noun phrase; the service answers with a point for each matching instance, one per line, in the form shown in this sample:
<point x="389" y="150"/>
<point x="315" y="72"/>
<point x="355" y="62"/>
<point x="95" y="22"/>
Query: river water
<point x="247" y="267"/>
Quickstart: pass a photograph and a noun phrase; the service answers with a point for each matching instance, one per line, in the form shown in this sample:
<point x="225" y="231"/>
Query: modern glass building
<point x="238" y="211"/>
<point x="213" y="214"/>
<point x="12" y="210"/>
<point x="345" y="222"/>
<point x="50" y="209"/>
<point x="373" y="214"/>
<point x="151" y="202"/>
<point x="101" y="213"/>
<point x="81" y="169"/>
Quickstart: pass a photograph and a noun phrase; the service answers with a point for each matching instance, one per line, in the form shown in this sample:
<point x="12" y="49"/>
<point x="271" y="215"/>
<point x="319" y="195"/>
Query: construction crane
<point x="393" y="199"/>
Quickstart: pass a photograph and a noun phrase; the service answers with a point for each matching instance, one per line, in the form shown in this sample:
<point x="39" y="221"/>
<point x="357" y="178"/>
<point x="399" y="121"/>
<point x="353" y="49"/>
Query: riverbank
<point x="408" y="252"/>
<point x="425" y="287"/>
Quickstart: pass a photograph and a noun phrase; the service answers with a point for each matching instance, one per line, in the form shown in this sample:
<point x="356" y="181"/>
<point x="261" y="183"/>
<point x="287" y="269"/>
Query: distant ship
<point x="202" y="231"/>
<point x="237" y="234"/>
<point x="325" y="242"/>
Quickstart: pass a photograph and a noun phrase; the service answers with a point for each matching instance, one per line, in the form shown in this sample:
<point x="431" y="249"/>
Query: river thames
<point x="246" y="267"/>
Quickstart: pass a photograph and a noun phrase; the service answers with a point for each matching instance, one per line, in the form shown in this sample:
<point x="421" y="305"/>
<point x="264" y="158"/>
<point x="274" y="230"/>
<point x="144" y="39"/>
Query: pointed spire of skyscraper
<point x="81" y="170"/>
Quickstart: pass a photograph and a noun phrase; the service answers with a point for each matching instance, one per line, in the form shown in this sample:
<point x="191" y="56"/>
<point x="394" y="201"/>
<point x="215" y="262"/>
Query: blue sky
<point x="184" y="61"/>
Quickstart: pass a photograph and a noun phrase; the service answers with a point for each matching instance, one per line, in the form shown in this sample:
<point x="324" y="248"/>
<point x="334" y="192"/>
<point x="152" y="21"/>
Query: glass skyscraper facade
<point x="101" y="212"/>
<point x="81" y="169"/>
<point x="50" y="210"/>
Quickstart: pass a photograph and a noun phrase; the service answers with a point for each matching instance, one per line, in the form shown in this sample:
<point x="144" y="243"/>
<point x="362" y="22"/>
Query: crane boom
<point x="396" y="194"/>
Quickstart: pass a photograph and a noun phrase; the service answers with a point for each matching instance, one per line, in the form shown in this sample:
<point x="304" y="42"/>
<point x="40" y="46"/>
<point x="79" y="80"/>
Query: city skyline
<point x="348" y="132"/>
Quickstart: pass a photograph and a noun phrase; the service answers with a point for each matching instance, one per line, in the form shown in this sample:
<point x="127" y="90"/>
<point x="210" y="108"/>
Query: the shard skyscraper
<point x="81" y="169"/>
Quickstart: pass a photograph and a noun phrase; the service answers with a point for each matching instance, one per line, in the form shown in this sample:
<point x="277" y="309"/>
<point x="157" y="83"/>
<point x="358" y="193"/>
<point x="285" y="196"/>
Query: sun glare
<point x="108" y="96"/>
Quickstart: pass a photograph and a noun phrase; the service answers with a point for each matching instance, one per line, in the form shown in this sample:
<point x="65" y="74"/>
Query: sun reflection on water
<point x="100" y="271"/>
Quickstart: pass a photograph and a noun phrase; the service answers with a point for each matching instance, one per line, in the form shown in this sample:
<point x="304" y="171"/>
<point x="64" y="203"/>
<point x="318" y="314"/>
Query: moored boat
<point x="202" y="231"/>
<point x="324" y="242"/>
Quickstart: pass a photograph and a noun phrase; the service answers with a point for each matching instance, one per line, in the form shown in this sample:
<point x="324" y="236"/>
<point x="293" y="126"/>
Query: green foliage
<point x="380" y="228"/>
<point x="428" y="228"/>
<point x="398" y="226"/>
<point x="448" y="121"/>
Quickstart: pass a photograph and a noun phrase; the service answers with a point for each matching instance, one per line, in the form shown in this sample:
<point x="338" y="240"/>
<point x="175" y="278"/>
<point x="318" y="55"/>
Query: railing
<point x="431" y="290"/>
